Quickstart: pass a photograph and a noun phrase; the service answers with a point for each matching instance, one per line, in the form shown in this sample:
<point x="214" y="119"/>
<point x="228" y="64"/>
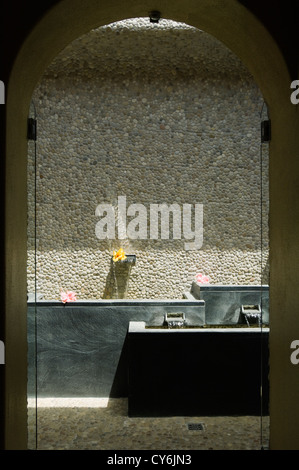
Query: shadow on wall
<point x="266" y="271"/>
<point x="117" y="281"/>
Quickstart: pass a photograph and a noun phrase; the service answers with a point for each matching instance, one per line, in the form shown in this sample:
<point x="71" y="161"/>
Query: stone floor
<point x="105" y="425"/>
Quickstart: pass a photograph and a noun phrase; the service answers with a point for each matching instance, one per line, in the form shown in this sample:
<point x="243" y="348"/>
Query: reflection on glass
<point x="31" y="274"/>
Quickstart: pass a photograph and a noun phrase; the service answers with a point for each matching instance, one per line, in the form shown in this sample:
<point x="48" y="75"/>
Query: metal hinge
<point x="266" y="131"/>
<point x="31" y="129"/>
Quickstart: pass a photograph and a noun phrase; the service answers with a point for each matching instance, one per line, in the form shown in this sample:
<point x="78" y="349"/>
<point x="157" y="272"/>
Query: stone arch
<point x="239" y="30"/>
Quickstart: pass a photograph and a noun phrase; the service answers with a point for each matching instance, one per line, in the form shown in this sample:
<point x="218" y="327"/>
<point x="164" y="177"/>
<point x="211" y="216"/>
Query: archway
<point x="243" y="34"/>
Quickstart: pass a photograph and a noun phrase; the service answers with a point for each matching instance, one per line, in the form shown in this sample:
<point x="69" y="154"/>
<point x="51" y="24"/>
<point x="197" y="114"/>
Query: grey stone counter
<point x="223" y="303"/>
<point x="80" y="348"/>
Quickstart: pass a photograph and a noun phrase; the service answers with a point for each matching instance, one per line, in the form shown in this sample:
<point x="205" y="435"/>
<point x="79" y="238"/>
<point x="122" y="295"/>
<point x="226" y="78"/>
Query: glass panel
<point x="265" y="272"/>
<point x="148" y="142"/>
<point x="31" y="280"/>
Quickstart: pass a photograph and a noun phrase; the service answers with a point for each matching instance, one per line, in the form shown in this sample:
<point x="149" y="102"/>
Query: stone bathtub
<point x="87" y="349"/>
<point x="81" y="347"/>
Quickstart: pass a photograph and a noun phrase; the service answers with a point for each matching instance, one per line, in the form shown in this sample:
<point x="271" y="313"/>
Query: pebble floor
<point x="109" y="428"/>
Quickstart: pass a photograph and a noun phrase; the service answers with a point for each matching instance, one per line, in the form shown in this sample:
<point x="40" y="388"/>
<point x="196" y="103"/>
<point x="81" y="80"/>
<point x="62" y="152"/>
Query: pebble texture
<point x="109" y="428"/>
<point x="160" y="114"/>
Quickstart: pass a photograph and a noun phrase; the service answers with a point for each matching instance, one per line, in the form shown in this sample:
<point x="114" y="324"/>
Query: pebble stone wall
<point x="159" y="114"/>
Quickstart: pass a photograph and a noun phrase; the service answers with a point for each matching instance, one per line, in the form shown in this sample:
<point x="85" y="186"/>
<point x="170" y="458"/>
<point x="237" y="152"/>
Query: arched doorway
<point x="144" y="116"/>
<point x="240" y="31"/>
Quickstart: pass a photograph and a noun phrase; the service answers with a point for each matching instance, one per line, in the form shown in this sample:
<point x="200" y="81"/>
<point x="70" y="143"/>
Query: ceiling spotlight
<point x="154" y="16"/>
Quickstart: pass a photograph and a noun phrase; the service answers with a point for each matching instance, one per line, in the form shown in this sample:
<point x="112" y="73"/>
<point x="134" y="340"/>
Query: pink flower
<point x="202" y="279"/>
<point x="68" y="296"/>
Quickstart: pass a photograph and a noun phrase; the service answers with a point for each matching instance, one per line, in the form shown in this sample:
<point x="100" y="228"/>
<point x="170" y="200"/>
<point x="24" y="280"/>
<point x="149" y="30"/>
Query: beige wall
<point x="240" y="31"/>
<point x="177" y="126"/>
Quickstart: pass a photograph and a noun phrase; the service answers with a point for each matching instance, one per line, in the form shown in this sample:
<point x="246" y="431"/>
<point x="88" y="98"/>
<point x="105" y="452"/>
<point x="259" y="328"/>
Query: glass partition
<point x="147" y="196"/>
<point x="32" y="279"/>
